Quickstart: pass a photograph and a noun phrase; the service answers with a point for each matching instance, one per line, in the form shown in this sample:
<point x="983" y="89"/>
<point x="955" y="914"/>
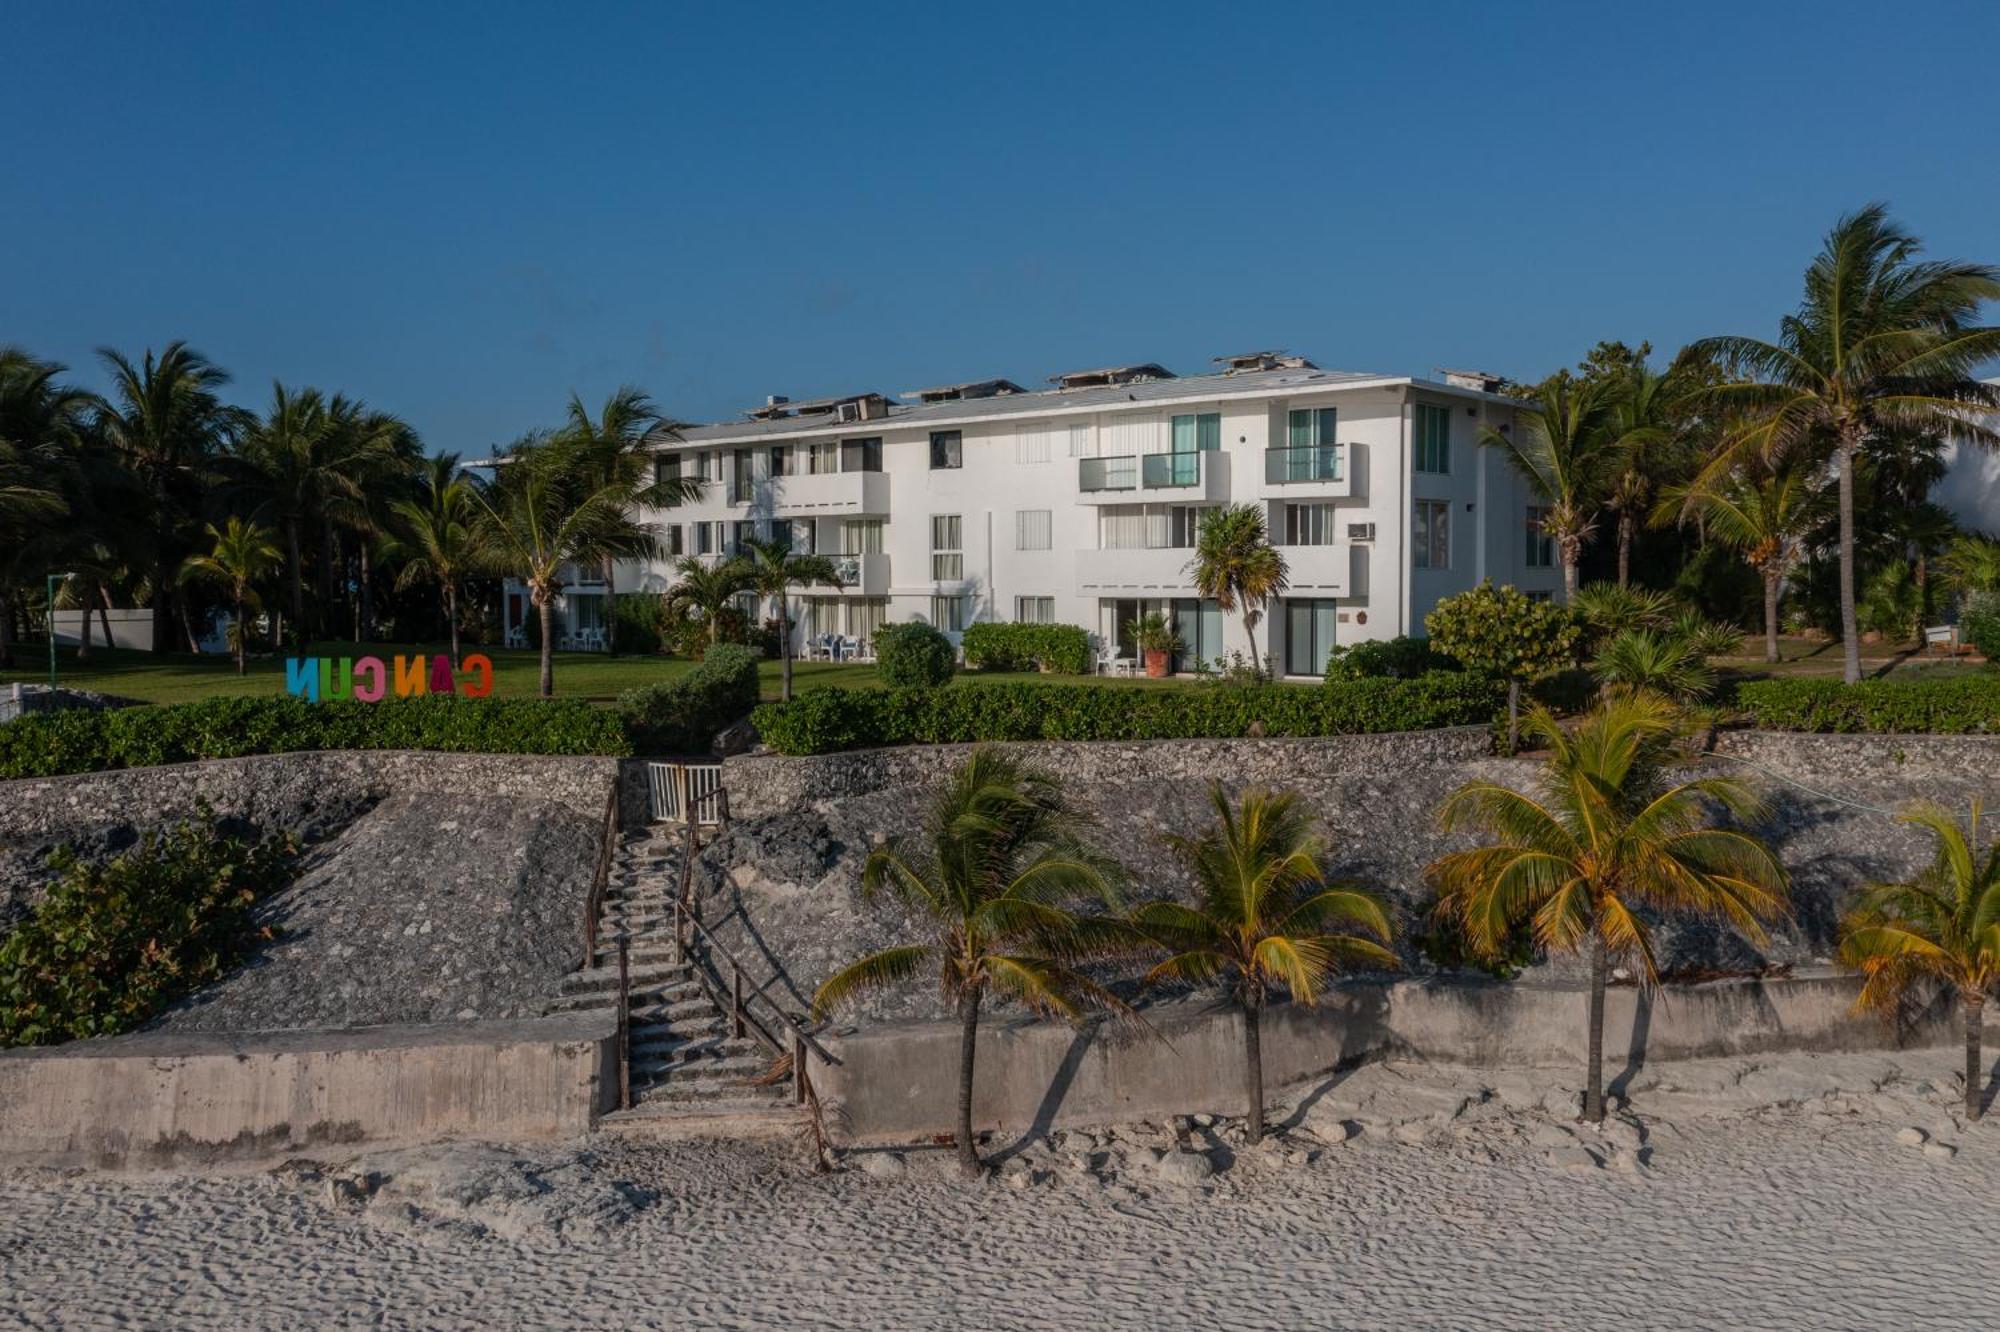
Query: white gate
<point x="675" y="786"/>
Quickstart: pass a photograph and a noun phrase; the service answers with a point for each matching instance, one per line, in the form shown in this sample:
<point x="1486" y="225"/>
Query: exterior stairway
<point x="691" y="1074"/>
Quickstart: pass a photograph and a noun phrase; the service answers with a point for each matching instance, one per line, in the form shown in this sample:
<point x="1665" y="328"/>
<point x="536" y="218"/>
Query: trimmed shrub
<point x="1401" y="658"/>
<point x="913" y="656"/>
<point x="822" y="721"/>
<point x="51" y="743"/>
<point x="1967" y="705"/>
<point x="992" y="645"/>
<point x="682" y="716"/>
<point x="111" y="945"/>
<point x="1979" y="625"/>
<point x="642" y="621"/>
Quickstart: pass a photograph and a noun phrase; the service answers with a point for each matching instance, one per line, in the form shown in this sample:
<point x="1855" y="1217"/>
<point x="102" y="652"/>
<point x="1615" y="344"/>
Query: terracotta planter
<point x="1156" y="665"/>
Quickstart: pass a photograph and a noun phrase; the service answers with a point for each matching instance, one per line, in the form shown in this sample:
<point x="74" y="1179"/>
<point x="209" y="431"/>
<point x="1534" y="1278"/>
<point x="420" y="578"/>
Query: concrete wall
<point x="152" y="1100"/>
<point x="898" y="1083"/>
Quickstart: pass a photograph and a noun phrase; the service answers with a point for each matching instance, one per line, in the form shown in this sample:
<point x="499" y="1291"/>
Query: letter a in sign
<point x="441" y="681"/>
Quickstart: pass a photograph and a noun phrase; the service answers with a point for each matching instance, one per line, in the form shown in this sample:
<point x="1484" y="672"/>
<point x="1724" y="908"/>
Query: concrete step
<point x="683" y="1088"/>
<point x="641" y="975"/>
<point x="740" y="1119"/>
<point x="675" y="999"/>
<point x="724" y="1068"/>
<point x="698" y="1049"/>
<point x="650" y="1038"/>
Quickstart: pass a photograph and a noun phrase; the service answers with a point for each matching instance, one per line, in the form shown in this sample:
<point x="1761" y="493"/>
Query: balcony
<point x="1152" y="571"/>
<point x="860" y="575"/>
<point x="1191" y="477"/>
<point x="1320" y="466"/>
<point x="1320" y="571"/>
<point x="818" y="495"/>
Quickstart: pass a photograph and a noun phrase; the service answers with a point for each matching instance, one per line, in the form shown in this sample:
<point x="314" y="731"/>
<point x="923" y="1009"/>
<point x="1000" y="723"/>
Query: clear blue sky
<point x="461" y="213"/>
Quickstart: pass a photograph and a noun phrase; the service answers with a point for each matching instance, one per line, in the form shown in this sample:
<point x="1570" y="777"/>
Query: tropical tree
<point x="1881" y="344"/>
<point x="1943" y="926"/>
<point x="1265" y="918"/>
<point x="1668" y="664"/>
<point x="771" y="570"/>
<point x="41" y="421"/>
<point x="1503" y="633"/>
<point x="244" y="555"/>
<point x="991" y="881"/>
<point x="1567" y="442"/>
<point x="1236" y="566"/>
<point x="442" y="540"/>
<point x="1601" y="848"/>
<point x="1766" y="513"/>
<point x="707" y="590"/>
<point x="1643" y="428"/>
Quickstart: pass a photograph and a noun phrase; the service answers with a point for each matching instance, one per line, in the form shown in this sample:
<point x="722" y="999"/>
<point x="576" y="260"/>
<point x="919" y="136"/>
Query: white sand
<point x="1746" y="1194"/>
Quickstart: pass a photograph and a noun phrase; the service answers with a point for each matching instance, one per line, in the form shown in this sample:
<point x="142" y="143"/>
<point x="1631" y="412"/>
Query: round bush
<point x="913" y="656"/>
<point x="1979" y="625"/>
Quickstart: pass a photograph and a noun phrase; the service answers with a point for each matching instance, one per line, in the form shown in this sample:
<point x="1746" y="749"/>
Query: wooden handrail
<point x="593" y="905"/>
<point x="624" y="1022"/>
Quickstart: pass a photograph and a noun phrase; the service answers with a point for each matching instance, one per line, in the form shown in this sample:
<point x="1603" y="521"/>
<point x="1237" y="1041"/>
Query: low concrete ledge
<point x="155" y="1099"/>
<point x="896" y="1083"/>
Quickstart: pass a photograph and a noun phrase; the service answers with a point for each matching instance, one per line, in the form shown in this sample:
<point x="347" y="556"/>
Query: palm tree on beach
<point x="771" y="570"/>
<point x="706" y="589"/>
<point x="1265" y="919"/>
<point x="991" y="879"/>
<point x="1602" y="845"/>
<point x="1766" y="514"/>
<point x="442" y="539"/>
<point x="1942" y="927"/>
<point x="1882" y="345"/>
<point x="243" y="556"/>
<point x="1236" y="566"/>
<point x="1568" y="443"/>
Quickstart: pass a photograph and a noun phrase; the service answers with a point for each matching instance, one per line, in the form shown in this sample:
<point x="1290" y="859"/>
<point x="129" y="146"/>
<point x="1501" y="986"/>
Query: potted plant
<point x="1156" y="641"/>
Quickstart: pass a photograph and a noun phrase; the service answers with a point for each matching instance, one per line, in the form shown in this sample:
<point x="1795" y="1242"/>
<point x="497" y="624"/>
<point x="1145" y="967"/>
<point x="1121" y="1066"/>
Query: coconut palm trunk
<point x="1625" y="526"/>
<point x="1774" y="582"/>
<point x="546" y="605"/>
<point x="610" y="606"/>
<point x="1850" y="633"/>
<point x="1975" y="1065"/>
<point x="1593" y="1086"/>
<point x="1513" y="716"/>
<point x="83" y="634"/>
<point x="968" y="1050"/>
<point x="451" y="616"/>
<point x="242" y="637"/>
<point x="296" y="556"/>
<point x="785" y="644"/>
<point x="1250" y="633"/>
<point x="1253" y="1063"/>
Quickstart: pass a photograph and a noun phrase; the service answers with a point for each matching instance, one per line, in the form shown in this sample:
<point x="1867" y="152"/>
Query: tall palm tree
<point x="1642" y="419"/>
<point x="771" y="570"/>
<point x="1604" y="844"/>
<point x="1568" y="443"/>
<point x="442" y="540"/>
<point x="1765" y="513"/>
<point x="1943" y="926"/>
<point x="708" y="589"/>
<point x="539" y="516"/>
<point x="41" y="422"/>
<point x="386" y="453"/>
<point x="1236" y="566"/>
<point x="243" y="556"/>
<point x="1881" y="344"/>
<point x="164" y="416"/>
<point x="1266" y="918"/>
<point x="991" y="879"/>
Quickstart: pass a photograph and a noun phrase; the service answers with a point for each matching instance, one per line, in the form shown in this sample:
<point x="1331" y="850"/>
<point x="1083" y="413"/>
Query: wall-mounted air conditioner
<point x="1361" y="531"/>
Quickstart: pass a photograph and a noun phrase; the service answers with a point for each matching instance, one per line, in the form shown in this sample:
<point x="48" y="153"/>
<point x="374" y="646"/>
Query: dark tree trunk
<point x="968" y="1049"/>
<point x="298" y="577"/>
<point x="367" y="634"/>
<point x="1850" y="633"/>
<point x="329" y="556"/>
<point x="104" y="615"/>
<point x="1772" y="583"/>
<point x="1593" y="1087"/>
<point x="451" y="618"/>
<point x="785" y="646"/>
<point x="6" y="631"/>
<point x="83" y="633"/>
<point x="1250" y="632"/>
<point x="187" y="623"/>
<point x="242" y="637"/>
<point x="548" y="682"/>
<point x="1570" y="578"/>
<point x="1624" y="549"/>
<point x="1513" y="716"/>
<point x="163" y="611"/>
<point x="610" y="607"/>
<point x="1975" y="1066"/>
<point x="1253" y="1066"/>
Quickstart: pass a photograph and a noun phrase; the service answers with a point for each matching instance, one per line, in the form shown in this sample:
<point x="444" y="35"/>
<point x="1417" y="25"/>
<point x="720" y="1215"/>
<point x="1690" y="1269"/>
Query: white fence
<point x="674" y="786"/>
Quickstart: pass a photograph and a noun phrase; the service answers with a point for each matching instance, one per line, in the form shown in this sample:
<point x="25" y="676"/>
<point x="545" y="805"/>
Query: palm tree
<point x="1567" y="442"/>
<point x="539" y="516"/>
<point x="41" y="422"/>
<point x="706" y="589"/>
<point x="1765" y="513"/>
<point x="164" y="417"/>
<point x="1942" y="926"/>
<point x="1643" y="427"/>
<point x="442" y="539"/>
<point x="244" y="555"/>
<point x="771" y="570"/>
<point x="1265" y="918"/>
<point x="1881" y="345"/>
<point x="1669" y="664"/>
<point x="998" y="861"/>
<point x="1236" y="566"/>
<point x="1604" y="844"/>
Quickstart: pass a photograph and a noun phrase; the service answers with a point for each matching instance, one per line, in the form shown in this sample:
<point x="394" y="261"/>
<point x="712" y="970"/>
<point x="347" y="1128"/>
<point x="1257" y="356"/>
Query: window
<point x="1080" y="444"/>
<point x="1034" y="610"/>
<point x="707" y="466"/>
<point x="947" y="548"/>
<point x="1309" y="627"/>
<point x="666" y="468"/>
<point x="861" y="455"/>
<point x="861" y="536"/>
<point x="1433" y="453"/>
<point x="742" y="532"/>
<point x="947" y="450"/>
<point x="823" y="457"/>
<point x="1186" y="524"/>
<point x="1200" y="433"/>
<point x="742" y="477"/>
<point x="1199" y="624"/>
<point x="1035" y="443"/>
<point x="948" y="614"/>
<point x="1541" y="552"/>
<point x="1031" y="529"/>
<point x="1311" y="452"/>
<point x="1310" y="524"/>
<point x="1430" y="535"/>
<point x="1148" y="526"/>
<point x="673" y="539"/>
<point x="1311" y="427"/>
<point x="800" y="536"/>
<point x="866" y="616"/>
<point x="707" y="536"/>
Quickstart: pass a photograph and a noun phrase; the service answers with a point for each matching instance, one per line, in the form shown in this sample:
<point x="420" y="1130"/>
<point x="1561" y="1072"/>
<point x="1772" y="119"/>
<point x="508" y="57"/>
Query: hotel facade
<point x="1079" y="504"/>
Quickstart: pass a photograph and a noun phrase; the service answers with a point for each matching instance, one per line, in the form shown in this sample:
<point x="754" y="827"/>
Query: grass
<point x="1815" y="656"/>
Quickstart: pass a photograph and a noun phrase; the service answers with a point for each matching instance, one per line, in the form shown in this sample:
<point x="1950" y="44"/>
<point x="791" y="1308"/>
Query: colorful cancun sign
<point x="370" y="679"/>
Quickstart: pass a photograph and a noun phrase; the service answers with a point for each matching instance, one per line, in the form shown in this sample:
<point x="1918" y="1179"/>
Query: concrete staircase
<point x="691" y="1074"/>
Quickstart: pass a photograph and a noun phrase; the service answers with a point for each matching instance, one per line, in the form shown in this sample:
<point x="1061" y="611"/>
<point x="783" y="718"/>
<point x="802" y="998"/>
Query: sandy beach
<point x="1840" y="1191"/>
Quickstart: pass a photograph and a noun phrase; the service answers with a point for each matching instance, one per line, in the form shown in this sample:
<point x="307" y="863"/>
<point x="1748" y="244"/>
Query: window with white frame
<point x="1541" y="548"/>
<point x="861" y="536"/>
<point x="1433" y="444"/>
<point x="1034" y="610"/>
<point x="1035" y="443"/>
<point x="673" y="540"/>
<point x="947" y="450"/>
<point x="1310" y="524"/>
<point x="666" y="468"/>
<point x="1185" y="526"/>
<point x="707" y="538"/>
<point x="947" y="548"/>
<point x="822" y="457"/>
<point x="1430" y="535"/>
<point x="1081" y="443"/>
<point x="1032" y="529"/>
<point x="948" y="614"/>
<point x="1148" y="526"/>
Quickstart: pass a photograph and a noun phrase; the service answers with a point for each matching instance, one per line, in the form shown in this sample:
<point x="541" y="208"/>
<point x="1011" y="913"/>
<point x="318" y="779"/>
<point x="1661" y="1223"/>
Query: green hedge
<point x="1966" y="705"/>
<point x="1400" y="658"/>
<point x="46" y="744"/>
<point x="992" y="645"/>
<point x="1979" y="624"/>
<point x="682" y="716"/>
<point x="913" y="656"/>
<point x="822" y="721"/>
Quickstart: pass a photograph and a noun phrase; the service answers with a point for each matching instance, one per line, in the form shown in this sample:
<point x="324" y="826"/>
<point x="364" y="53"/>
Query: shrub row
<point x="682" y="716"/>
<point x="913" y="655"/>
<point x="1961" y="706"/>
<point x="991" y="645"/>
<point x="822" y="721"/>
<point x="52" y="743"/>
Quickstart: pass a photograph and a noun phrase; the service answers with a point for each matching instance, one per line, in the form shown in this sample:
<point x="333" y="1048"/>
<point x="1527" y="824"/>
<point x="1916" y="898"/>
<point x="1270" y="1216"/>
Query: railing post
<point x="736" y="974"/>
<point x="624" y="1023"/>
<point x="799" y="1075"/>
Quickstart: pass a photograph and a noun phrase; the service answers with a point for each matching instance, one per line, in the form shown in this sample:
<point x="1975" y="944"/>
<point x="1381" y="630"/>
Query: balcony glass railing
<point x="1107" y="474"/>
<point x="1306" y="462"/>
<point x="1160" y="470"/>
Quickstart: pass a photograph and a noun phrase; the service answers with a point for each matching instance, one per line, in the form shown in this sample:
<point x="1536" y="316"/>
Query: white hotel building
<point x="1079" y="504"/>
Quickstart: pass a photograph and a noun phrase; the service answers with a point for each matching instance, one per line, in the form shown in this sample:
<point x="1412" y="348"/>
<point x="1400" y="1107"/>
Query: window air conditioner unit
<point x="850" y="411"/>
<point x="1361" y="531"/>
